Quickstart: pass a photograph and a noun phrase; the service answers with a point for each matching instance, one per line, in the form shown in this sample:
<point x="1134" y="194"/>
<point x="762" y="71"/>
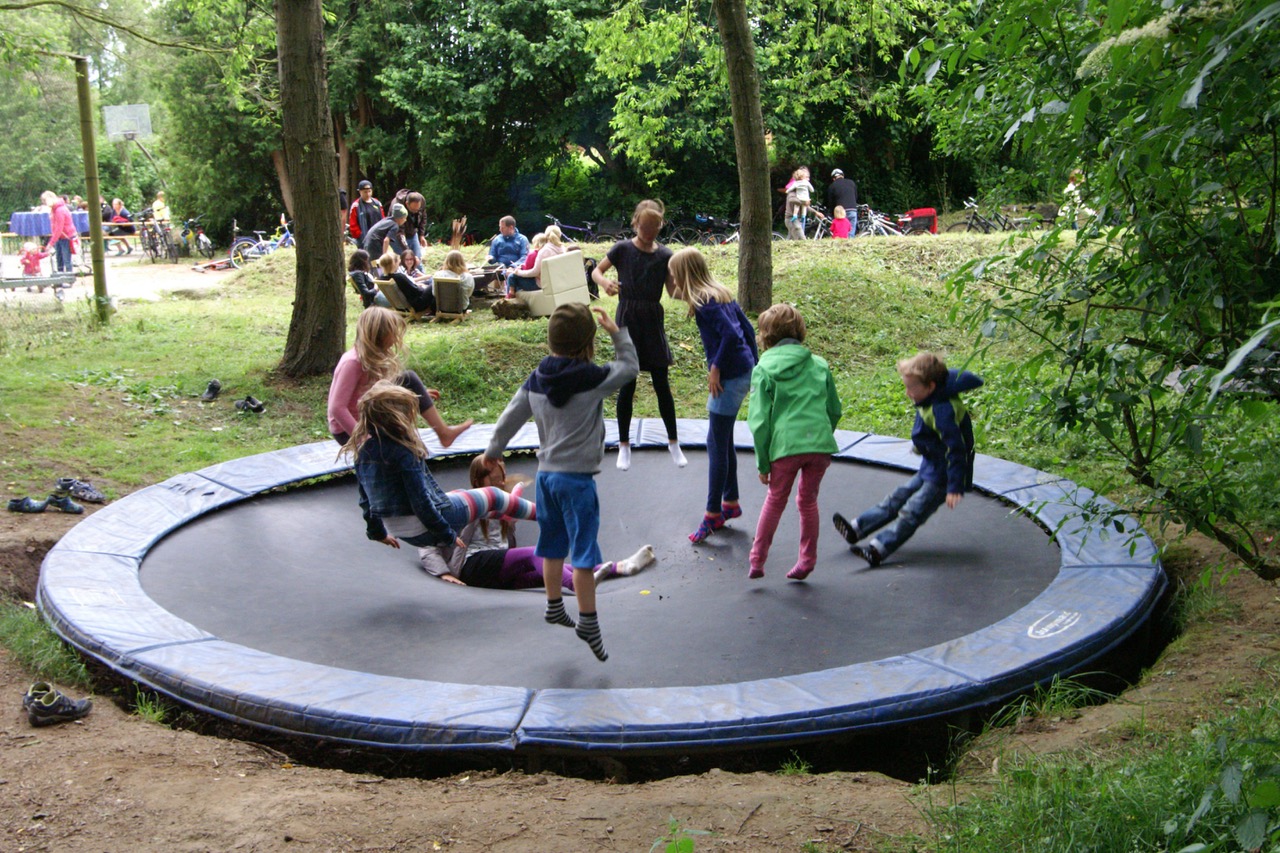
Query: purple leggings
<point x="522" y="570"/>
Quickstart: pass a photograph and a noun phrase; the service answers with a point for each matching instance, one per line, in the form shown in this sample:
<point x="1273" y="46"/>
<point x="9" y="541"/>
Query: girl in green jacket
<point x="793" y="412"/>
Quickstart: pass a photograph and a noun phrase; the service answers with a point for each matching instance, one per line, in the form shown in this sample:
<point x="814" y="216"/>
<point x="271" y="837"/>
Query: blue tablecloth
<point x="28" y="224"/>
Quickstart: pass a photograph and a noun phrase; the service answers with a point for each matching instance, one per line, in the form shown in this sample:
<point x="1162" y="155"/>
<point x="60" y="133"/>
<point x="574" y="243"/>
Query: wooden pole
<point x="93" y="190"/>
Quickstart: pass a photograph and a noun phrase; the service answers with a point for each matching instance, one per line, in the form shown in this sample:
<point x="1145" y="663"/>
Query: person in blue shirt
<point x="509" y="247"/>
<point x="943" y="436"/>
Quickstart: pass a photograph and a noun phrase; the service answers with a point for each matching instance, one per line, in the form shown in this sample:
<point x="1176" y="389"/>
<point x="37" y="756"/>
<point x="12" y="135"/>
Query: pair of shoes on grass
<point x="250" y="404"/>
<point x="58" y="502"/>
<point x="46" y="706"/>
<point x="79" y="489"/>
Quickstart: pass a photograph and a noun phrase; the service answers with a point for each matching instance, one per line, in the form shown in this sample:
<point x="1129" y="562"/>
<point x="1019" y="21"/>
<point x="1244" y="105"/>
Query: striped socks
<point x="589" y="631"/>
<point x="556" y="616"/>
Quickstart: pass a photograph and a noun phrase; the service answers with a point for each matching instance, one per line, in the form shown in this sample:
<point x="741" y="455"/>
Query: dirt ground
<point x="116" y="782"/>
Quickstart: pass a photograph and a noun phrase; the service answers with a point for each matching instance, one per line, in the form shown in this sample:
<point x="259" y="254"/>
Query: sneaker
<point x="869" y="553"/>
<point x="64" y="503"/>
<point x="34" y="693"/>
<point x="211" y="393"/>
<point x="250" y="404"/>
<point x="54" y="707"/>
<point x="80" y="489"/>
<point x="846" y="528"/>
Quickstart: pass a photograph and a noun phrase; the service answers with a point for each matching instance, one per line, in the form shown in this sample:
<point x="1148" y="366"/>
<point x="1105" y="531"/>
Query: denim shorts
<point x="730" y="399"/>
<point x="568" y="518"/>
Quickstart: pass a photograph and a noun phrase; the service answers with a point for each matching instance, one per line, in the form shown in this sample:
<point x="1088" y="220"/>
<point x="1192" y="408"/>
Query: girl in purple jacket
<point x="730" y="344"/>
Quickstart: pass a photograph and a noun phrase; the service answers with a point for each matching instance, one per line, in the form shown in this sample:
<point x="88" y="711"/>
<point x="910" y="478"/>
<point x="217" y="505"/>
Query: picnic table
<point x="36" y="224"/>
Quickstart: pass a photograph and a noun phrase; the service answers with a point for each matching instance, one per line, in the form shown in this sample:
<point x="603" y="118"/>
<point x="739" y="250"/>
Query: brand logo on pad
<point x="1053" y="623"/>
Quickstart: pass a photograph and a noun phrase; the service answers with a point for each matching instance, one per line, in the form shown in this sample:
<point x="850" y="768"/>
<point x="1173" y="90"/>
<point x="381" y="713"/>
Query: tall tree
<point x="755" y="261"/>
<point x="317" y="330"/>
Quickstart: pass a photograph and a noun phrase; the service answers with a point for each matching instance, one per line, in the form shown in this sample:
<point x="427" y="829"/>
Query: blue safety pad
<point x="90" y="592"/>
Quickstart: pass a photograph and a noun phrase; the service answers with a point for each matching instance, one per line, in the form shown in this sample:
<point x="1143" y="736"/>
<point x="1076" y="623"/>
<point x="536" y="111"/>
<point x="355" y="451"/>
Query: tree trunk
<point x="282" y="177"/>
<point x="755" y="258"/>
<point x="317" y="331"/>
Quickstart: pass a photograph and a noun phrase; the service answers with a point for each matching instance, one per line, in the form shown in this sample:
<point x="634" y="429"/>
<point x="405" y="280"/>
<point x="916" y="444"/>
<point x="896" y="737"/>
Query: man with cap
<point x="365" y="212"/>
<point x="844" y="192"/>
<point x="386" y="234"/>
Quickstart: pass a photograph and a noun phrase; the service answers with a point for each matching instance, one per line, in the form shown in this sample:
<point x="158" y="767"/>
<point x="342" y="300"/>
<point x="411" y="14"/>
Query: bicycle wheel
<point x="151" y="245"/>
<point x="964" y="225"/>
<point x="625" y="234"/>
<point x="686" y="236"/>
<point x="711" y="238"/>
<point x="244" y="251"/>
<point x="205" y="246"/>
<point x="779" y="237"/>
<point x="918" y="230"/>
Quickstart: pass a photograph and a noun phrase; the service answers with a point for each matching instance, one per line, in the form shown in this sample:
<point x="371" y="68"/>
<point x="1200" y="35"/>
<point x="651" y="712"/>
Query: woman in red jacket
<point x="61" y="230"/>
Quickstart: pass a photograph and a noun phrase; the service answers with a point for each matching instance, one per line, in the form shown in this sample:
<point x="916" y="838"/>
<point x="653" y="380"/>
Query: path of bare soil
<point x="115" y="782"/>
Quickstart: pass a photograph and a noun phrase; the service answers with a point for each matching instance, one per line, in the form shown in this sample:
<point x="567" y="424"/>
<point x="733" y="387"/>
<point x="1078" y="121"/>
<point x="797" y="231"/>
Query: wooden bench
<point x="40" y="282"/>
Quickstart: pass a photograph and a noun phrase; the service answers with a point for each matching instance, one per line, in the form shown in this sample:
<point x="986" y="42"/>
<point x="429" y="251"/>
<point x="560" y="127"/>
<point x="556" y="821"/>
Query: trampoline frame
<point x="90" y="591"/>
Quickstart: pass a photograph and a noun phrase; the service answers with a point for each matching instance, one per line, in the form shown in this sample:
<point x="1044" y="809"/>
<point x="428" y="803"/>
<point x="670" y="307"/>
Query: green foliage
<point x="1060" y="697"/>
<point x="150" y="706"/>
<point x="37" y="649"/>
<point x="795" y="766"/>
<point x="1171" y="113"/>
<point x="1215" y="788"/>
<point x="677" y="839"/>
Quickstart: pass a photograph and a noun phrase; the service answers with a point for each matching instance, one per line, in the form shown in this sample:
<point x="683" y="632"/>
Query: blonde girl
<point x="399" y="498"/>
<point x="554" y="245"/>
<point x="455" y="265"/>
<point x="642" y="276"/>
<point x="374" y="357"/>
<point x="730" y="345"/>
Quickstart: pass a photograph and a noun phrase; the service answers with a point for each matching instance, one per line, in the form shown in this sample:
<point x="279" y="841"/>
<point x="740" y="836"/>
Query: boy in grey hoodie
<point x="565" y="397"/>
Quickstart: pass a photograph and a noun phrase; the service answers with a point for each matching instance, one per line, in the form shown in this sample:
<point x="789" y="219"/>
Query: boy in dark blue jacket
<point x="943" y="436"/>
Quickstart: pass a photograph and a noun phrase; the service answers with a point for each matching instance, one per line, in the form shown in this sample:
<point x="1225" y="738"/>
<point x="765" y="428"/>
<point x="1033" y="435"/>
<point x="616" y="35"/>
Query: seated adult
<point x="385" y="235"/>
<point x="510" y="246"/>
<point x="555" y="245"/>
<point x="121" y="223"/>
<point x="456" y="265"/>
<point x="419" y="297"/>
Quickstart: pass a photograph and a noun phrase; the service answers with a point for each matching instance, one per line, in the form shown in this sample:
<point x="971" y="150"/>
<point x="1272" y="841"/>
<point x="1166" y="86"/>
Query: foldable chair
<point x="397" y="300"/>
<point x="451" y="302"/>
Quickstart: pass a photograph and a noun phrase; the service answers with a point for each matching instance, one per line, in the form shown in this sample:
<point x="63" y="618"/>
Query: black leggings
<point x="666" y="403"/>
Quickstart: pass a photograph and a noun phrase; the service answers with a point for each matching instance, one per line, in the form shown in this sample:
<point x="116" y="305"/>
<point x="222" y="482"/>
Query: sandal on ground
<point x="80" y="490"/>
<point x="64" y="503"/>
<point x="27" y="505"/>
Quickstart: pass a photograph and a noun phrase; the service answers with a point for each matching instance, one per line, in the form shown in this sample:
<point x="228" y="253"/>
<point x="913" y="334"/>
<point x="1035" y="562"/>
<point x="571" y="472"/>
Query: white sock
<point x="677" y="455"/>
<point x="624" y="457"/>
<point x="637" y="561"/>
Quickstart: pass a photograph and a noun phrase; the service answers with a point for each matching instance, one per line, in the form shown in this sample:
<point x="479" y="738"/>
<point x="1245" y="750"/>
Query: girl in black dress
<point x="642" y="275"/>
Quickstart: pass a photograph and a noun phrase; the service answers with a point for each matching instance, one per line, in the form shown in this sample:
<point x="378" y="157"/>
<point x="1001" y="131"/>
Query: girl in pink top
<point x="840" y="224"/>
<point x="376" y="355"/>
<point x="555" y="246"/>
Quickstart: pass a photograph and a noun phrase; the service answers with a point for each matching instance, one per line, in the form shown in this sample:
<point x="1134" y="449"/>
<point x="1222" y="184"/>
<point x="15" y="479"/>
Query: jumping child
<point x="399" y="498"/>
<point x="730" y="345"/>
<point x="565" y="397"/>
<point x="793" y="412"/>
<point x="943" y="436"/>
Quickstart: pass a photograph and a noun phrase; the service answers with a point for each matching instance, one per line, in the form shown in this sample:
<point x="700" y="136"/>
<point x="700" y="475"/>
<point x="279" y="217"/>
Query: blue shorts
<point x="730" y="399"/>
<point x="568" y="519"/>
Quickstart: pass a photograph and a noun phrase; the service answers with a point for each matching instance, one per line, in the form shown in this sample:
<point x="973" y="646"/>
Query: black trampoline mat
<point x="291" y="573"/>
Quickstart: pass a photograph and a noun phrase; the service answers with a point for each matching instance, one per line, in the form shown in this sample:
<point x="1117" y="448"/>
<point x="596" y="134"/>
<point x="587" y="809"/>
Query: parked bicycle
<point x="593" y="232"/>
<point x="246" y="250"/>
<point x="873" y="223"/>
<point x="195" y="241"/>
<point x="975" y="221"/>
<point x="817" y="225"/>
<point x="155" y="238"/>
<point x="735" y="234"/>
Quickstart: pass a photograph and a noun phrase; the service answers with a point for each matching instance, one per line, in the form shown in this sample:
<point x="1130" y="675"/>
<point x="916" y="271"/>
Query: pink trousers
<point x="782" y="473"/>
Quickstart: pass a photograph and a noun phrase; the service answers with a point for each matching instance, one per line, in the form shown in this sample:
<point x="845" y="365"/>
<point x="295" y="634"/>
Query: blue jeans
<point x="62" y="249"/>
<point x="416" y="245"/>
<point x="910" y="504"/>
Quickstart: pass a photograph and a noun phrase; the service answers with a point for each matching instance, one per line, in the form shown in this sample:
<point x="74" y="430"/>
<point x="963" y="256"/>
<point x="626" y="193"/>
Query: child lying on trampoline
<point x="400" y="499"/>
<point x="492" y="560"/>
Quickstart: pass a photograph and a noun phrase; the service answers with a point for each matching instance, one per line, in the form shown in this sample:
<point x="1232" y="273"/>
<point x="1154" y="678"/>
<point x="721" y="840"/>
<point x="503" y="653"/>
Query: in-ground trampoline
<point x="269" y="607"/>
